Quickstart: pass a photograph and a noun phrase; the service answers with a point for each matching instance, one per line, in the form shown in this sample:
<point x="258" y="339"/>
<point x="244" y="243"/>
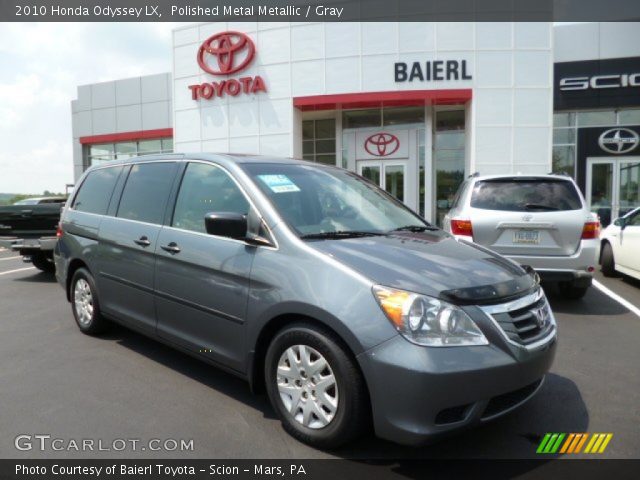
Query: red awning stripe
<point x="379" y="99"/>
<point x="127" y="136"/>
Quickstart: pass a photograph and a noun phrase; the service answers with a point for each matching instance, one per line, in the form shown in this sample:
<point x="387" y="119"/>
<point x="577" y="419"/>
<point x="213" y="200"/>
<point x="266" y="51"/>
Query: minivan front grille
<point x="524" y="325"/>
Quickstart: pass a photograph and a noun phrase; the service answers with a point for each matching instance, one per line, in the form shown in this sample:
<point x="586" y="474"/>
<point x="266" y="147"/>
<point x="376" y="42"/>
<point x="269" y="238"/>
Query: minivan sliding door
<point x="202" y="281"/>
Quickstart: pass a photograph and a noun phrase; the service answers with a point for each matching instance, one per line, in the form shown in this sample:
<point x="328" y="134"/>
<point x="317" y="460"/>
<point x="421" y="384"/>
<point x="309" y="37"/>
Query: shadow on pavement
<point x="200" y="371"/>
<point x="634" y="282"/>
<point x="594" y="303"/>
<point x="558" y="407"/>
<point x="38" y="277"/>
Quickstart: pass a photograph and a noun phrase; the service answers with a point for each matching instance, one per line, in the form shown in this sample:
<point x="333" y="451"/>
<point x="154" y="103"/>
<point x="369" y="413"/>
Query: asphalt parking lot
<point x="56" y="381"/>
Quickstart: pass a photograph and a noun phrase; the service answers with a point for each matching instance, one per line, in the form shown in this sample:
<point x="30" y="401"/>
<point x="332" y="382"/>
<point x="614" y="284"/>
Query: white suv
<point x="536" y="220"/>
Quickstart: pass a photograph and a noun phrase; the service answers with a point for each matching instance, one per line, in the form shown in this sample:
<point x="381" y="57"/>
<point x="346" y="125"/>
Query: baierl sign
<point x="224" y="54"/>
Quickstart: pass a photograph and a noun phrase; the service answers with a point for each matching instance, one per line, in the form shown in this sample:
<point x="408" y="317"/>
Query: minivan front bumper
<point x="419" y="393"/>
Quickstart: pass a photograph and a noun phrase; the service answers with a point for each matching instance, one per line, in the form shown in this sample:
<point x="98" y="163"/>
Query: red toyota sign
<point x="381" y="144"/>
<point x="226" y="53"/>
<point x="233" y="52"/>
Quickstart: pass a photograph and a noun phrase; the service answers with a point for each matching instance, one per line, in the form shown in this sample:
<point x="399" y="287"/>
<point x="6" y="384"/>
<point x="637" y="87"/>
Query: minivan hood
<point x="432" y="263"/>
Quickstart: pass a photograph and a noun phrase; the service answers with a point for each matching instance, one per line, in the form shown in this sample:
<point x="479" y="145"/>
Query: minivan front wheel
<point x="85" y="304"/>
<point x="315" y="387"/>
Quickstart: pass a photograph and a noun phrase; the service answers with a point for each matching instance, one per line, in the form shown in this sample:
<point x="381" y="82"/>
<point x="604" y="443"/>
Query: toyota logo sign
<point x="233" y="51"/>
<point x="226" y="53"/>
<point x="381" y="144"/>
<point x="618" y="140"/>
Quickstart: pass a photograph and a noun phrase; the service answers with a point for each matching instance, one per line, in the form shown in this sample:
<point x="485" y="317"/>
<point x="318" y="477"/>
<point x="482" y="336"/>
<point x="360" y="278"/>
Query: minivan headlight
<point x="426" y="320"/>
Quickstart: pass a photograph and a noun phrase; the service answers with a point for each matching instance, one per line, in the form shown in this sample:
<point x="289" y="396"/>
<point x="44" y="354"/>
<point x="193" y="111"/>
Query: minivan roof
<point x="215" y="157"/>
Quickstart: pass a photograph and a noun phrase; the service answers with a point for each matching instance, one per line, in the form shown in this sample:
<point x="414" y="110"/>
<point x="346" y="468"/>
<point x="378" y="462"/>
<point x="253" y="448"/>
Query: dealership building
<point x="415" y="107"/>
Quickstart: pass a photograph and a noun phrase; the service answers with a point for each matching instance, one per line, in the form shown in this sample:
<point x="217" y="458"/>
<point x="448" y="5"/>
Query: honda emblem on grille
<point x="540" y="315"/>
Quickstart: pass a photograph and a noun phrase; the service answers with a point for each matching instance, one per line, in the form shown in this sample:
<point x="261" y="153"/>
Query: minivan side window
<point x="206" y="188"/>
<point x="146" y="192"/>
<point x="96" y="190"/>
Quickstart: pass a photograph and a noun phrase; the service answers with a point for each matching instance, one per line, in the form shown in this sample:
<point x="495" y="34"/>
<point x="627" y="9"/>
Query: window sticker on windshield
<point x="279" y="183"/>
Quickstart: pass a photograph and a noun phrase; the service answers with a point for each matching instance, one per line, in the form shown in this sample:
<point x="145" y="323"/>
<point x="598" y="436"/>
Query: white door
<point x="628" y="251"/>
<point x="390" y="175"/>
<point x="613" y="186"/>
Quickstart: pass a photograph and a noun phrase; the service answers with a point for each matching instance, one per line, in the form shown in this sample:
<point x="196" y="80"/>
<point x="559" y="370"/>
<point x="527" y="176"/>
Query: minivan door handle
<point x="172" y="248"/>
<point x="143" y="241"/>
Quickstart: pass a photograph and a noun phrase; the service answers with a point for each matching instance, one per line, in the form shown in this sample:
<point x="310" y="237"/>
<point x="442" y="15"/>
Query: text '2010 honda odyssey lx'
<point x="313" y="284"/>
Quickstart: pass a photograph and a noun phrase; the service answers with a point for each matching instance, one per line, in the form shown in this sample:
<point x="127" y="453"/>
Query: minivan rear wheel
<point x="315" y="387"/>
<point x="85" y="304"/>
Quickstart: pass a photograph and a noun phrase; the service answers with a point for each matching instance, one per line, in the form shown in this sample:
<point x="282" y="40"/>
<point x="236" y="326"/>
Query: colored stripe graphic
<point x="573" y="442"/>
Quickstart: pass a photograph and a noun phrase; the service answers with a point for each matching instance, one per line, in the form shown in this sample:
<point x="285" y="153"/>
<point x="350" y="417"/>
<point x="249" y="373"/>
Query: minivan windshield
<point x="325" y="202"/>
<point x="525" y="195"/>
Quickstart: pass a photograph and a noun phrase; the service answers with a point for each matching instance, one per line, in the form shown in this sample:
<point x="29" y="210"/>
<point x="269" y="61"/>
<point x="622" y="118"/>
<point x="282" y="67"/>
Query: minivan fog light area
<point x="428" y="321"/>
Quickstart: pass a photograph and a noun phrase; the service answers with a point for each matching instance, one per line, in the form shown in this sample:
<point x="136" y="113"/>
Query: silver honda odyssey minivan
<point x="311" y="283"/>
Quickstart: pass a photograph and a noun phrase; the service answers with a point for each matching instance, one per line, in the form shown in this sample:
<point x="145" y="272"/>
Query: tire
<point x="571" y="291"/>
<point x="43" y="262"/>
<point x="86" y="310"/>
<point x="348" y="396"/>
<point x="607" y="262"/>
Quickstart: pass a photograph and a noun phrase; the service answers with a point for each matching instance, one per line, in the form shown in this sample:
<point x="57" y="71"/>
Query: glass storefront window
<point x="308" y="147"/>
<point x="325" y="128"/>
<point x="448" y="158"/>
<point x="101" y="150"/>
<point x="564" y="119"/>
<point x="450" y="120"/>
<point x="150" y="146"/>
<point x="319" y="140"/>
<point x="452" y="139"/>
<point x="563" y="159"/>
<point x="629" y="117"/>
<point x="105" y="152"/>
<point x="596" y="118"/>
<point x="564" y="135"/>
<point x="362" y="118"/>
<point x="402" y="115"/>
<point x="421" y="172"/>
<point x="125" y="150"/>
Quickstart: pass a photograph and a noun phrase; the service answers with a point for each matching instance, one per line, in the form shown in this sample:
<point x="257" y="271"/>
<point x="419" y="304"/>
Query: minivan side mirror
<point x="619" y="222"/>
<point x="226" y="224"/>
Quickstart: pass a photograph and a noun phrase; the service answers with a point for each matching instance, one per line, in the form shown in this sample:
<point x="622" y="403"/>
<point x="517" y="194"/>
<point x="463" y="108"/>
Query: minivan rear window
<point x="96" y="190"/>
<point x="525" y="195"/>
<point x="145" y="194"/>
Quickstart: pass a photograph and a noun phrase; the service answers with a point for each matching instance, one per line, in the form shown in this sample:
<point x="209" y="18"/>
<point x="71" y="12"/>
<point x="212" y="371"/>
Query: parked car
<point x="29" y="227"/>
<point x="537" y="220"/>
<point x="41" y="200"/>
<point x="312" y="283"/>
<point x="621" y="246"/>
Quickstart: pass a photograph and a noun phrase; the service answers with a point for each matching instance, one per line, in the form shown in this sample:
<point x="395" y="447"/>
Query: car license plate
<point x="527" y="236"/>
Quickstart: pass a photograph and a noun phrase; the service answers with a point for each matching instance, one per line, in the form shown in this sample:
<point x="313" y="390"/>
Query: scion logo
<point x="233" y="51"/>
<point x="618" y="140"/>
<point x="381" y="144"/>
<point x="226" y="53"/>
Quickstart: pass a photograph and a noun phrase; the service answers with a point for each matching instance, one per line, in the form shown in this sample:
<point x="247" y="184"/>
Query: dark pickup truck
<point x="29" y="227"/>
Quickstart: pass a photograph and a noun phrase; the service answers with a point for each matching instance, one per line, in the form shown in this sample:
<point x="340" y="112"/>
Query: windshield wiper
<point x="415" y="228"/>
<point x="539" y="206"/>
<point x="339" y="234"/>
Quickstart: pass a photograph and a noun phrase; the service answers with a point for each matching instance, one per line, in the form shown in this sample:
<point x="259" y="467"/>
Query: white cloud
<point x="40" y="67"/>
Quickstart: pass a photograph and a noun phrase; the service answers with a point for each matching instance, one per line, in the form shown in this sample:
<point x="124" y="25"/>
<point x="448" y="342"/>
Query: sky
<point x="40" y="67"/>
